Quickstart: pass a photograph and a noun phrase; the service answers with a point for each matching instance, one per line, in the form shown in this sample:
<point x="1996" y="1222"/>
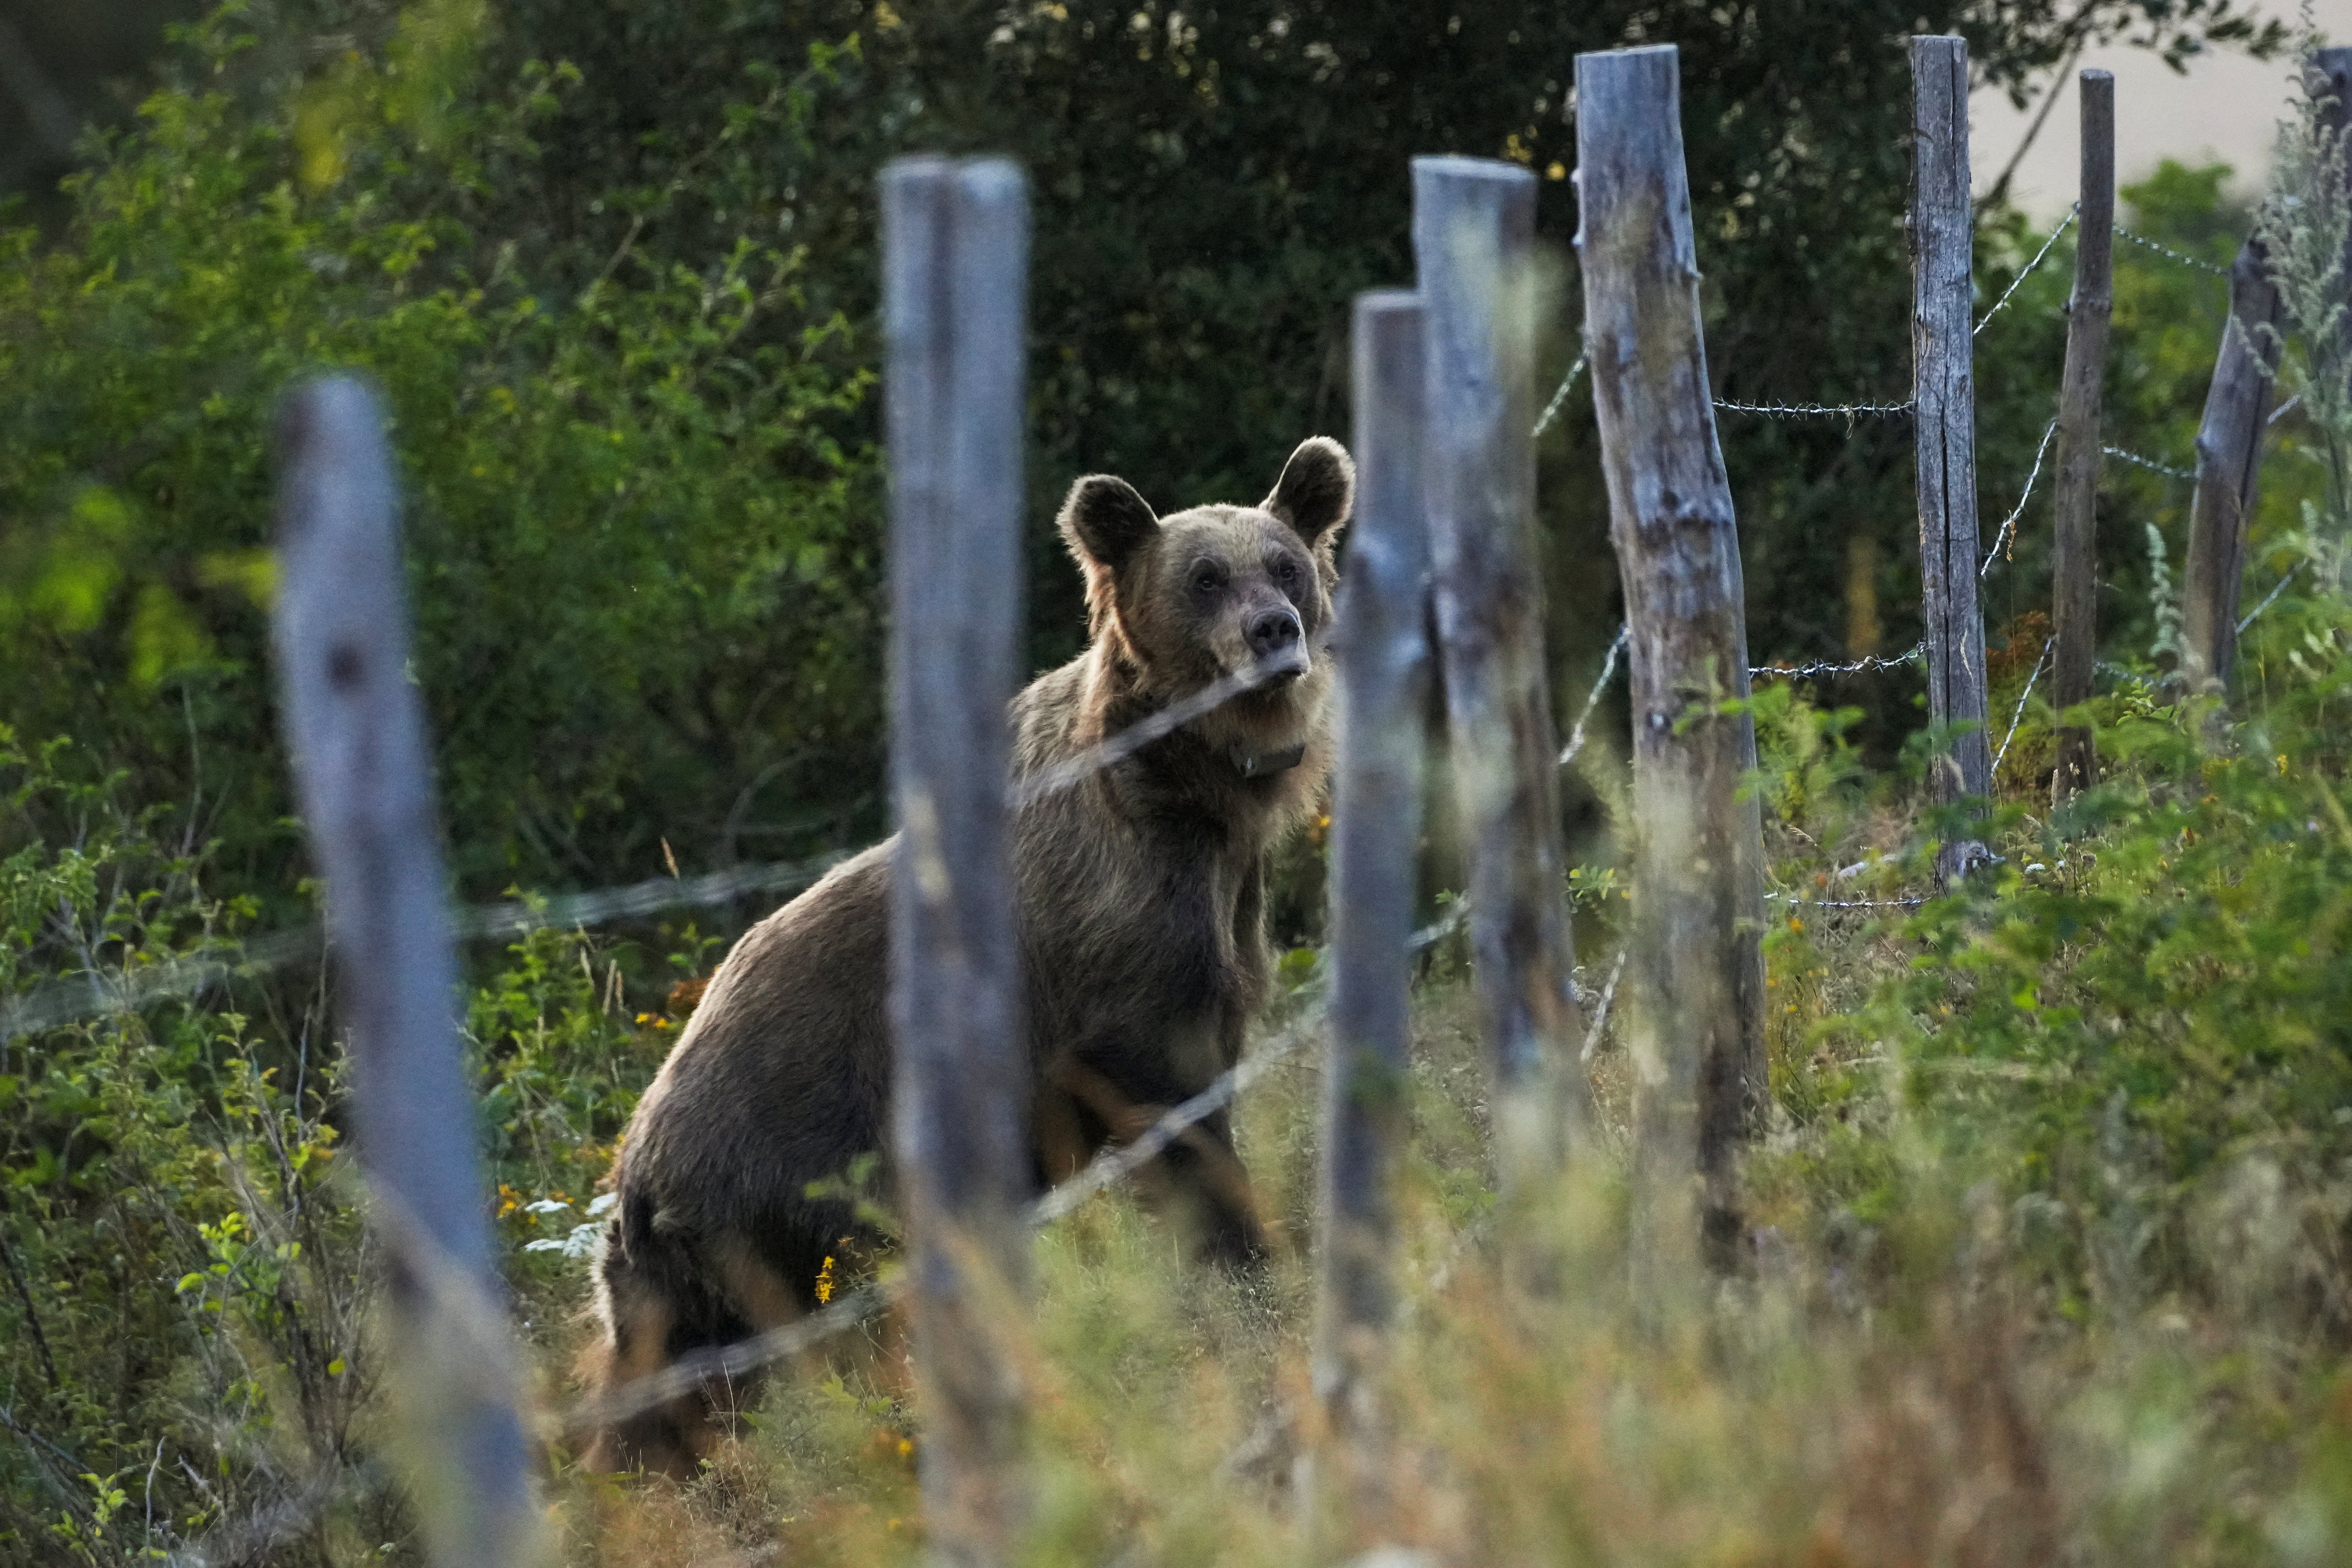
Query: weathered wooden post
<point x="1698" y="859"/>
<point x="955" y="243"/>
<point x="1944" y="411"/>
<point x="2229" y="437"/>
<point x="2229" y="464"/>
<point x="1473" y="240"/>
<point x="362" y="781"/>
<point x="2075" y="587"/>
<point x="1385" y="670"/>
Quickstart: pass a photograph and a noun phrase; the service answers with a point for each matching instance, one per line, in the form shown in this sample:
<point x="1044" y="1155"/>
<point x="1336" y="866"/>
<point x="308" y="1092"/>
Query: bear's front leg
<point x="1209" y="1189"/>
<point x="1198" y="1182"/>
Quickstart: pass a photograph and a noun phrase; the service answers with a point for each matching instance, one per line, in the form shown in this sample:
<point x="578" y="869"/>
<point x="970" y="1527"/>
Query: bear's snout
<point x="1278" y="643"/>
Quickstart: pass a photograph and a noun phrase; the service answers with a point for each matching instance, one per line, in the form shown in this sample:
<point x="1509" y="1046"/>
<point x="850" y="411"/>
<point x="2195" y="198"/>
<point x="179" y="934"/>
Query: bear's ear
<point x="1105" y="520"/>
<point x="1317" y="491"/>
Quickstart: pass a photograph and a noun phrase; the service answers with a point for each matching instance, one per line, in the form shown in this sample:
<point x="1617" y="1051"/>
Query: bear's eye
<point x="1286" y="571"/>
<point x="1208" y="577"/>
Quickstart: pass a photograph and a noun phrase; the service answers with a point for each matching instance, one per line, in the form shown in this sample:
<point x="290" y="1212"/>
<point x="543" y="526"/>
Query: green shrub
<point x="639" y="546"/>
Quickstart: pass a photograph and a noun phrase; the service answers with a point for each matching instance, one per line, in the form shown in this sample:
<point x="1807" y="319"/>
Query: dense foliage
<point x="643" y="551"/>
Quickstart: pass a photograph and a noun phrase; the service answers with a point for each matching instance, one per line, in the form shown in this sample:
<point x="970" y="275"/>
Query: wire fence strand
<point x="2008" y="526"/>
<point x="1825" y="667"/>
<point x="1594" y="1030"/>
<point x="1559" y="399"/>
<point x="1802" y="901"/>
<point x="2271" y="597"/>
<point x="2017" y="282"/>
<point x="1815" y="410"/>
<point x="2165" y="250"/>
<point x="2168" y="469"/>
<point x="84" y="998"/>
<point x="2017" y="718"/>
<point x="1116" y="749"/>
<point x="1592" y="698"/>
<point x="79" y="1000"/>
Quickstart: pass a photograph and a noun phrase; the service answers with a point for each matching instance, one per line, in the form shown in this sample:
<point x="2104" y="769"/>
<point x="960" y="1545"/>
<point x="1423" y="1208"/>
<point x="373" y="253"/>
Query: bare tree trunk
<point x="1473" y="237"/>
<point x="2074" y="588"/>
<point x="955" y="255"/>
<point x="1698" y="971"/>
<point x="1944" y="414"/>
<point x="1384" y="671"/>
<point x="363" y="780"/>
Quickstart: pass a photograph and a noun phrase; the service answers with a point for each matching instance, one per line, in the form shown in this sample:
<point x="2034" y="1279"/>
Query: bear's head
<point x="1181" y="601"/>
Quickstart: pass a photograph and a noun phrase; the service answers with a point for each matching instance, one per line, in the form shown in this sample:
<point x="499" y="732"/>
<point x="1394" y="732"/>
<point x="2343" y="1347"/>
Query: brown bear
<point x="1140" y="899"/>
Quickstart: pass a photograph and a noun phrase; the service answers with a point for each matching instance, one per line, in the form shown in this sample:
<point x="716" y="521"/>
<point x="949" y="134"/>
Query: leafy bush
<point x="639" y="547"/>
<point x="185" y="1288"/>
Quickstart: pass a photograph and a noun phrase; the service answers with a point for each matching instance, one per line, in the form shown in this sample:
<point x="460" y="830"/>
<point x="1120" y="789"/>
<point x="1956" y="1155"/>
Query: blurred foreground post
<point x="355" y="730"/>
<point x="1944" y="412"/>
<point x="1698" y="859"/>
<point x="1385" y="661"/>
<point x="1473" y="240"/>
<point x="955" y="247"/>
<point x="2075" y="589"/>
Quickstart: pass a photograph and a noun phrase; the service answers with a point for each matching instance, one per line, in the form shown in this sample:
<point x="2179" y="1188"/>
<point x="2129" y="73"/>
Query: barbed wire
<point x="1824" y="666"/>
<point x="1800" y="901"/>
<point x="1116" y="749"/>
<point x="1115" y="1165"/>
<point x="2018" y="717"/>
<point x="2010" y="525"/>
<point x="2167" y="470"/>
<point x="1575" y="737"/>
<point x="1814" y="410"/>
<point x="59" y="1003"/>
<point x="2018" y="282"/>
<point x="633" y="899"/>
<point x="1592" y="698"/>
<point x="2271" y="597"/>
<point x="1441" y="928"/>
<point x="2284" y="409"/>
<point x="1593" y="1031"/>
<point x="79" y="1000"/>
<point x="2166" y="250"/>
<point x="1560" y="398"/>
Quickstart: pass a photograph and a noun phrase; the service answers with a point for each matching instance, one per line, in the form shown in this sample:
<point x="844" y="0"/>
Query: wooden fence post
<point x="2075" y="589"/>
<point x="2229" y="464"/>
<point x="955" y="247"/>
<point x="1385" y="670"/>
<point x="2229" y="437"/>
<point x="355" y="729"/>
<point x="1944" y="411"/>
<point x="1473" y="240"/>
<point x="1698" y="864"/>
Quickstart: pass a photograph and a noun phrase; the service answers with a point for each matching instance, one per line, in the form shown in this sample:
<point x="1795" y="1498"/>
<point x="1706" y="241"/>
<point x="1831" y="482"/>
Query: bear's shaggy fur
<point x="1140" y="910"/>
